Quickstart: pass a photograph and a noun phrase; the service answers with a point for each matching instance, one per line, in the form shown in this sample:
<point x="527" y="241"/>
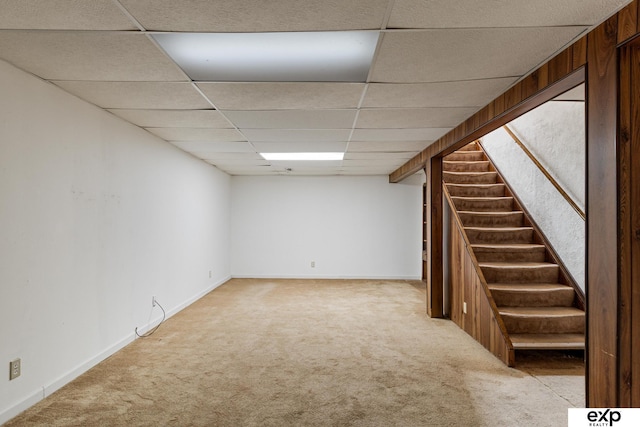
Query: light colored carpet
<point x="312" y="353"/>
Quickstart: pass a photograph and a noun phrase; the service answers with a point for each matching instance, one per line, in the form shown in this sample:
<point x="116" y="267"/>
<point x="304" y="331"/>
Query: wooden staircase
<point x="536" y="300"/>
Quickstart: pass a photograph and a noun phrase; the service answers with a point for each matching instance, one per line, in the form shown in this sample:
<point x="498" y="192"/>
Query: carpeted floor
<point x="313" y="353"/>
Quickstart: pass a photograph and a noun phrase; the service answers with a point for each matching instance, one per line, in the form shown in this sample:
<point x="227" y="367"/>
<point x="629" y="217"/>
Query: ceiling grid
<point x="435" y="64"/>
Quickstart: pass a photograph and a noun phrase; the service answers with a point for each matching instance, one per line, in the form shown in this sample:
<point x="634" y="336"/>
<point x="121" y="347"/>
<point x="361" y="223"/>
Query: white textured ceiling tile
<point x="391" y="163"/>
<point x="386" y="146"/>
<point x="500" y="13"/>
<point x="299" y="147"/>
<point x="142" y="95"/>
<point x="174" y="118"/>
<point x="283" y="96"/>
<point x="427" y="134"/>
<point x="201" y="148"/>
<point x="197" y="134"/>
<point x="470" y="93"/>
<point x="401" y="118"/>
<point x="292" y="119"/>
<point x="466" y="54"/>
<point x="402" y="155"/>
<point x="296" y="135"/>
<point x="63" y="15"/>
<point x="88" y="55"/>
<point x="257" y="15"/>
<point x="238" y="162"/>
<point x="249" y="157"/>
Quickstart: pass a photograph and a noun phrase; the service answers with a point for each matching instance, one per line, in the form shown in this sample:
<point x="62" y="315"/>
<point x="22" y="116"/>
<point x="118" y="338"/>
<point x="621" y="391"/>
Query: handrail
<point x="546" y="173"/>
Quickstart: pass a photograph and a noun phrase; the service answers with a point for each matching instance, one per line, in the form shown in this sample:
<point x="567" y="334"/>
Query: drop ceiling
<point x="435" y="64"/>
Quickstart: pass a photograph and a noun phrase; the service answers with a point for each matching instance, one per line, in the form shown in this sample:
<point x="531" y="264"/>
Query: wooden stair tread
<point x="526" y="287"/>
<point x="501" y="229"/>
<point x="540" y="311"/>
<point x="503" y="264"/>
<point x="547" y="341"/>
<point x="509" y="246"/>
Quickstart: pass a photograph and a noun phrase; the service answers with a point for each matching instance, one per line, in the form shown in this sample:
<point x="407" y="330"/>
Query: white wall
<point x="555" y="134"/>
<point x="360" y="227"/>
<point x="96" y="217"/>
<point x="547" y="133"/>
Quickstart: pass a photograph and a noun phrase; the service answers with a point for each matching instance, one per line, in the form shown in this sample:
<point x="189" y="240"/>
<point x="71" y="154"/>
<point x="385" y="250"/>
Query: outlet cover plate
<point x="14" y="369"/>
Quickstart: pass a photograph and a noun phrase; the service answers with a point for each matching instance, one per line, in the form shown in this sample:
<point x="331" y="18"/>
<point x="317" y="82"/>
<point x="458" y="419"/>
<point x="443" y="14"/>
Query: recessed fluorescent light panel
<point x="302" y="156"/>
<point x="323" y="56"/>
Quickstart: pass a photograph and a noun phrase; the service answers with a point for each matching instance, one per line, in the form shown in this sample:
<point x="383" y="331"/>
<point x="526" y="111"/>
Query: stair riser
<point x="493" y="190"/>
<point x="499" y="236"/>
<point x="552" y="298"/>
<point x="489" y="205"/>
<point x="546" y="274"/>
<point x="470" y="178"/>
<point x="531" y="255"/>
<point x="573" y="324"/>
<point x="481" y="166"/>
<point x="502" y="219"/>
<point x="470" y="147"/>
<point x="466" y="156"/>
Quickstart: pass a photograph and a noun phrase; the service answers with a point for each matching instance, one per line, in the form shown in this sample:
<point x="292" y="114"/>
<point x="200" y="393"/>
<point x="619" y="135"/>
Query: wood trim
<point x="435" y="268"/>
<point x="545" y="172"/>
<point x="602" y="224"/>
<point x="474" y="128"/>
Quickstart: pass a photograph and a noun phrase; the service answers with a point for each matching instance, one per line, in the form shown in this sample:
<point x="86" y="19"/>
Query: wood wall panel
<point x="435" y="268"/>
<point x="628" y="22"/>
<point x="466" y="286"/>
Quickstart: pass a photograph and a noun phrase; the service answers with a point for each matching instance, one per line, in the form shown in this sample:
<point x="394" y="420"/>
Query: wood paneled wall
<point x="613" y="242"/>
<point x="467" y="286"/>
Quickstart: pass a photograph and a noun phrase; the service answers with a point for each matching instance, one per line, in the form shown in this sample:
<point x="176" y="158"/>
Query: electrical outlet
<point x="14" y="369"/>
<point x="313" y="264"/>
<point x="210" y="273"/>
<point x="464" y="307"/>
<point x="153" y="301"/>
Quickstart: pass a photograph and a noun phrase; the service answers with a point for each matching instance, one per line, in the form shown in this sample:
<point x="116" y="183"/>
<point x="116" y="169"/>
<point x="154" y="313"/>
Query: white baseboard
<point x="299" y="277"/>
<point x="58" y="383"/>
<point x="21" y="406"/>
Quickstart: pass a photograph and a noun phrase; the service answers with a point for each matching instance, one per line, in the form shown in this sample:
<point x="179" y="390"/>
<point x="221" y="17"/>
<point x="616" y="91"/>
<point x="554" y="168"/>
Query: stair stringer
<point x="482" y="319"/>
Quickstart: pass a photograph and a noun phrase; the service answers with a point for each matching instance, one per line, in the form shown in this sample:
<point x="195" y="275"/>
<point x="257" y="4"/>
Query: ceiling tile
<point x="385" y="146"/>
<point x="201" y="148"/>
<point x="143" y="95"/>
<point x="209" y="155"/>
<point x="299" y="147"/>
<point x="174" y="118"/>
<point x="470" y="93"/>
<point x="63" y="15"/>
<point x="499" y="13"/>
<point x="296" y="135"/>
<point x="391" y="163"/>
<point x="88" y="55"/>
<point x="401" y="118"/>
<point x="426" y="134"/>
<point x="283" y="96"/>
<point x="388" y="155"/>
<point x="198" y="134"/>
<point x="292" y="119"/>
<point x="466" y="54"/>
<point x="257" y="15"/>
